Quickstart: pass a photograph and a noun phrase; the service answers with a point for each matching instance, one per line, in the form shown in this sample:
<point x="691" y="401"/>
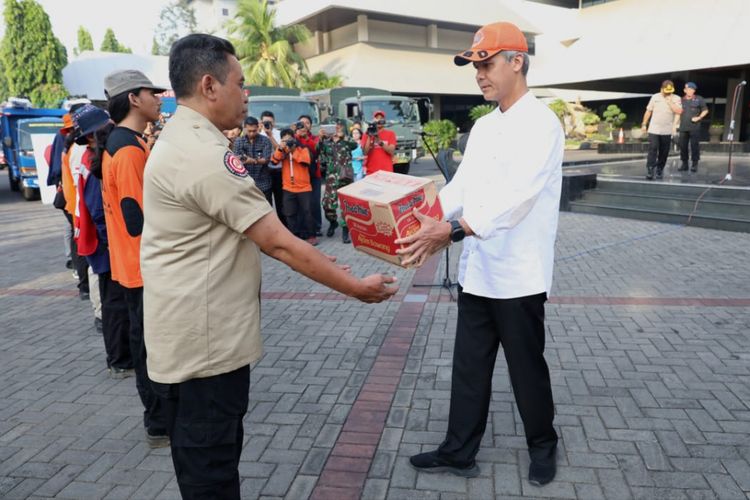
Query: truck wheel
<point x="30" y="194"/>
<point x="401" y="168"/>
<point x="15" y="184"/>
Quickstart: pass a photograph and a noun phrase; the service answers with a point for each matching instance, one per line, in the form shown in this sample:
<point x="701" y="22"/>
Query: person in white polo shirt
<point x="504" y="200"/>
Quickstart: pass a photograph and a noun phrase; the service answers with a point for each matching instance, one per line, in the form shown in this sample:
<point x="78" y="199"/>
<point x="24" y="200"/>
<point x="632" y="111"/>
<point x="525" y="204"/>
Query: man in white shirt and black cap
<point x="504" y="200"/>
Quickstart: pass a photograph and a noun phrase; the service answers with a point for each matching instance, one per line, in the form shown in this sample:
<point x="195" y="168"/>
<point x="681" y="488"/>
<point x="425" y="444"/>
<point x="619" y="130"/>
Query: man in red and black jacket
<point x="303" y="133"/>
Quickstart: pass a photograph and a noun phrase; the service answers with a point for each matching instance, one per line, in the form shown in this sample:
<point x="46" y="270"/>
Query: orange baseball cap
<point x="490" y="40"/>
<point x="67" y="124"/>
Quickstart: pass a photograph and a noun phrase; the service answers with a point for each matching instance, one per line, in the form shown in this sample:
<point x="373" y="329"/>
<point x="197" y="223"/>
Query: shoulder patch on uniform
<point x="234" y="165"/>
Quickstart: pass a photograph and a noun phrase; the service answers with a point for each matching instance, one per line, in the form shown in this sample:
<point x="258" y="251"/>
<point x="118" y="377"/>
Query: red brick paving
<point x="346" y="470"/>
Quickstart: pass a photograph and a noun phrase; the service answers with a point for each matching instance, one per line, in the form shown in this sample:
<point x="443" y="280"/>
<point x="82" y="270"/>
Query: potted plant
<point x="715" y="131"/>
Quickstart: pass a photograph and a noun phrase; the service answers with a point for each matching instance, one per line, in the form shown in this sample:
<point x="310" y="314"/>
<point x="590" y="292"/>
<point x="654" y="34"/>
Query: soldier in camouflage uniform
<point x="336" y="153"/>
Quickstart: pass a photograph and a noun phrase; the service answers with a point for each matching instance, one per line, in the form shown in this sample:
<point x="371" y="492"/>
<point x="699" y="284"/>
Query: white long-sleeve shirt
<point x="507" y="189"/>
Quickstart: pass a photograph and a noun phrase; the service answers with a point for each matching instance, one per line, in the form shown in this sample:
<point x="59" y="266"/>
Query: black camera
<point x="291" y="143"/>
<point x="372" y="129"/>
<point x="299" y="125"/>
<point x="267" y="125"/>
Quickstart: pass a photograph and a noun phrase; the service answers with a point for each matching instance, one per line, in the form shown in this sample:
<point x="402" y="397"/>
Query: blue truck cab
<point x="19" y="123"/>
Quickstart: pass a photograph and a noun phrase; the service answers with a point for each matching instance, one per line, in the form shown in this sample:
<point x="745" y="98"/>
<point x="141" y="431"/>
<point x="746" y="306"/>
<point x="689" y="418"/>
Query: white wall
<point x="343" y="36"/>
<point x="397" y="33"/>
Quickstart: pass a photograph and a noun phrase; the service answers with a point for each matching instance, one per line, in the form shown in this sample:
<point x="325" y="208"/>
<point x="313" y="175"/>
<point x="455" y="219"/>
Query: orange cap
<point x="67" y="124"/>
<point x="490" y="40"/>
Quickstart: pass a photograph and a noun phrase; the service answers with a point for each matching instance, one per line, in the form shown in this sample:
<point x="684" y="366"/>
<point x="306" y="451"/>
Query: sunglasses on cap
<point x="481" y="53"/>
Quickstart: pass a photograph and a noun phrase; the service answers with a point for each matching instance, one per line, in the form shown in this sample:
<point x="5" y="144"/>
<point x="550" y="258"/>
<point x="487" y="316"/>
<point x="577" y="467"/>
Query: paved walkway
<point x="648" y="345"/>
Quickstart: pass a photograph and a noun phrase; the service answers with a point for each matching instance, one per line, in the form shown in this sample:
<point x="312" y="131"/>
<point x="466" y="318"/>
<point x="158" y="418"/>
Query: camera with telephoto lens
<point x="299" y="125"/>
<point x="267" y="125"/>
<point x="291" y="143"/>
<point x="372" y="129"/>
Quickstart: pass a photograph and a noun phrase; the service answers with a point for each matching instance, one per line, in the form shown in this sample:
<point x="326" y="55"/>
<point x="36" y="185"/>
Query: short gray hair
<point x="510" y="54"/>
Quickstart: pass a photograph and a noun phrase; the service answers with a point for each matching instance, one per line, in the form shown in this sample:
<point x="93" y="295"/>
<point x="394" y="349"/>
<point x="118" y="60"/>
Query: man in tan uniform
<point x="205" y="225"/>
<point x="664" y="110"/>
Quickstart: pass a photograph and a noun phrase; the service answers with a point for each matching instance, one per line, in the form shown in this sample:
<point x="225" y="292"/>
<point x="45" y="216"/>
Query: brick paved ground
<point x="648" y="347"/>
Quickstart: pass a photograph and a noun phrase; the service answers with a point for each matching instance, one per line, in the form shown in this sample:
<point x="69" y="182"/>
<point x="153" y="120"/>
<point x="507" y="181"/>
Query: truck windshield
<point x="26" y="130"/>
<point x="285" y="112"/>
<point x="396" y="111"/>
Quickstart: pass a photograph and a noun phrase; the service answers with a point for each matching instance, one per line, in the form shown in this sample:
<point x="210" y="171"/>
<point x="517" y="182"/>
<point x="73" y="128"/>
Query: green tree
<point x="265" y="50"/>
<point x="48" y="95"/>
<point x="4" y="94"/>
<point x="480" y="110"/>
<point x="30" y="53"/>
<point x="440" y="134"/>
<point x="321" y="81"/>
<point x="111" y="44"/>
<point x="84" y="41"/>
<point x="614" y="116"/>
<point x="176" y="20"/>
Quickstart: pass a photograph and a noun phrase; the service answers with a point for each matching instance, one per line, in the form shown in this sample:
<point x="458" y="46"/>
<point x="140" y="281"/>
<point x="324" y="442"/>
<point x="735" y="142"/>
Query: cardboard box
<point x="378" y="210"/>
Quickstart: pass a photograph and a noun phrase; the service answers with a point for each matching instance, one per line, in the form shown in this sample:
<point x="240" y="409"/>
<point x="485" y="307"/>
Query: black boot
<point x="331" y="229"/>
<point x="694" y="167"/>
<point x="649" y="173"/>
<point x="659" y="173"/>
<point x="345" y="235"/>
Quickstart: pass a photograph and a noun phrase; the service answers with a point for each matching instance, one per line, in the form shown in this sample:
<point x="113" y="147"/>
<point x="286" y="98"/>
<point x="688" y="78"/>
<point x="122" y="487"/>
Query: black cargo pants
<point x="204" y="423"/>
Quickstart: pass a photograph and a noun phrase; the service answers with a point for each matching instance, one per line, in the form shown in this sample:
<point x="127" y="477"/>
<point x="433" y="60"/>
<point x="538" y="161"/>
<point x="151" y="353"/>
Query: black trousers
<point x="483" y="326"/>
<point x="115" y="323"/>
<point x="658" y="150"/>
<point x="153" y="413"/>
<point x="315" y="206"/>
<point x="690" y="146"/>
<point x="278" y="194"/>
<point x="299" y="219"/>
<point x="204" y="422"/>
<point x="80" y="264"/>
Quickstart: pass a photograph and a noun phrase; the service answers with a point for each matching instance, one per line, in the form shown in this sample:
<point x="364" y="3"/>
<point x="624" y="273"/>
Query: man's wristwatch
<point x="457" y="231"/>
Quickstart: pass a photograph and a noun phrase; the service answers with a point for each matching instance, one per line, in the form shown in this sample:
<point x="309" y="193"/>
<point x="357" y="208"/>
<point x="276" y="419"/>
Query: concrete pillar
<point x="436" y="107"/>
<point x="363" y="34"/>
<point x="318" y="42"/>
<point x="432" y="36"/>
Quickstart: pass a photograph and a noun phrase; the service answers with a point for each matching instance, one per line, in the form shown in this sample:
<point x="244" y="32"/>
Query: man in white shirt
<point x="664" y="110"/>
<point x="505" y="200"/>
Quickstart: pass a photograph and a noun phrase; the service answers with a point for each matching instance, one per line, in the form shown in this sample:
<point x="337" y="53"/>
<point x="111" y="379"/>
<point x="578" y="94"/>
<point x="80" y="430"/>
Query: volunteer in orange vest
<point x="133" y="102"/>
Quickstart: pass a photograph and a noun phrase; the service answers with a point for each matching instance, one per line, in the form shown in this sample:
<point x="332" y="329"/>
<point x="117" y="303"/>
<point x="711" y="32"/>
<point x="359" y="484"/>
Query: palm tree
<point x="321" y="80"/>
<point x="265" y="50"/>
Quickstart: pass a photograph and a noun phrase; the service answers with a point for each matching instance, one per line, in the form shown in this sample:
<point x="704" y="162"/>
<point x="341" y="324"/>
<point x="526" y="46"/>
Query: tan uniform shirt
<point x="663" y="119"/>
<point x="201" y="275"/>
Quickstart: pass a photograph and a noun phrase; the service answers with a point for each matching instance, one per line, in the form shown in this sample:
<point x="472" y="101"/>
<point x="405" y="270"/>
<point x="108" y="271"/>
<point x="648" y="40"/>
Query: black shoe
<point x="69" y="264"/>
<point x="120" y="373"/>
<point x="542" y="472"/>
<point x="683" y="167"/>
<point x="649" y="177"/>
<point x="318" y="233"/>
<point x="431" y="462"/>
<point x="345" y="235"/>
<point x="660" y="174"/>
<point x="84" y="295"/>
<point x="98" y="325"/>
<point x="694" y="168"/>
<point x="331" y="230"/>
<point x="157" y="440"/>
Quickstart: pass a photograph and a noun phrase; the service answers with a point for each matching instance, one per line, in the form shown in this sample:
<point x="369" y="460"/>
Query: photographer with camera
<point x="295" y="174"/>
<point x="304" y="135"/>
<point x="268" y="129"/>
<point x="379" y="145"/>
<point x="254" y="151"/>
